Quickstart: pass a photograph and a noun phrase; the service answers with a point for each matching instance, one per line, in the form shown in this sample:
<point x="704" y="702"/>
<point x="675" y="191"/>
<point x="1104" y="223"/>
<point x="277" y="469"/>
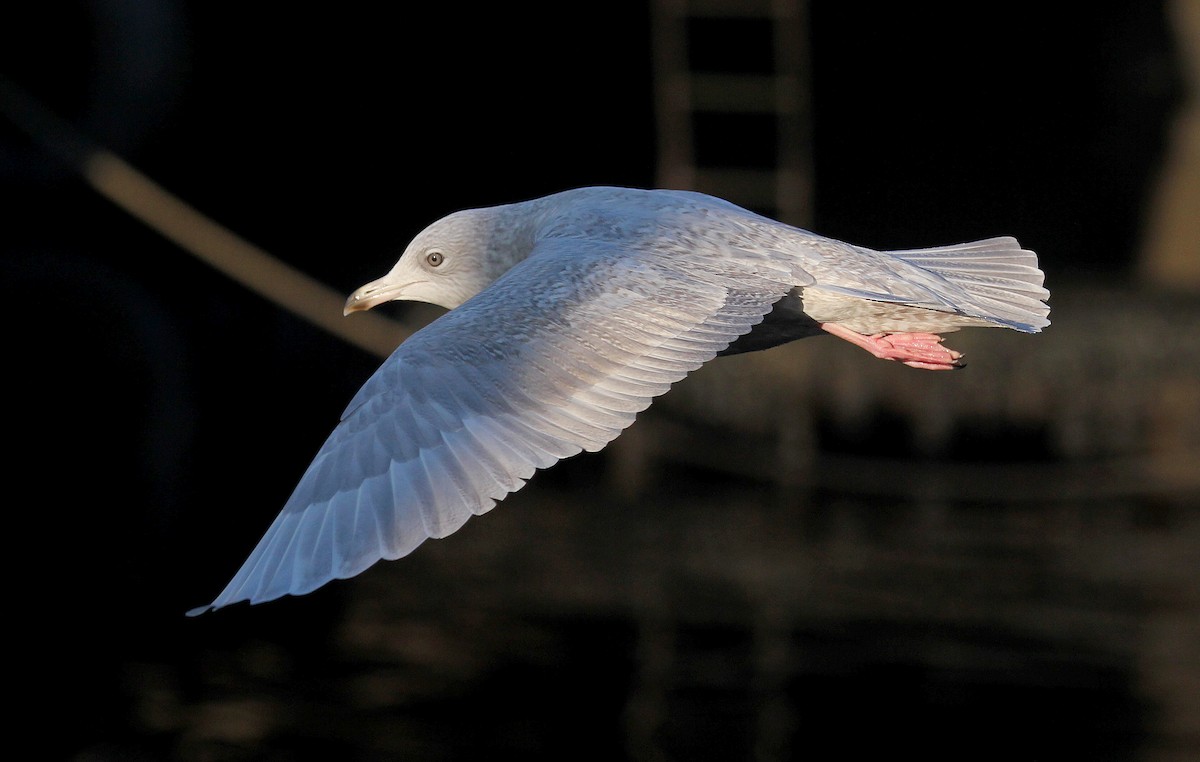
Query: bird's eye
<point x="434" y="258"/>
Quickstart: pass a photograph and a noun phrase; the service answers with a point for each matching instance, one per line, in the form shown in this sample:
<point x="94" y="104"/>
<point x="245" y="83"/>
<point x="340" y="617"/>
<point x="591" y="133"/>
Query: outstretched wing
<point x="556" y="356"/>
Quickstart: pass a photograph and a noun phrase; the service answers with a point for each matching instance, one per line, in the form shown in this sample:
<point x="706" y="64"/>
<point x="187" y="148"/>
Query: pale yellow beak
<point x="373" y="294"/>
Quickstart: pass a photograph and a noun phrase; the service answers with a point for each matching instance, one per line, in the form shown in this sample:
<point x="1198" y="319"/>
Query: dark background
<point x="160" y="414"/>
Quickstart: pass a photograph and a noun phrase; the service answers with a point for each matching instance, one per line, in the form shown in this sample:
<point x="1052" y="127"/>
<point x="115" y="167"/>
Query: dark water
<point x="711" y="619"/>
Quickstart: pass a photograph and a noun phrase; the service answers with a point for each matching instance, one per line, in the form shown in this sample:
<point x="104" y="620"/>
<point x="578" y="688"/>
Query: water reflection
<point x="712" y="618"/>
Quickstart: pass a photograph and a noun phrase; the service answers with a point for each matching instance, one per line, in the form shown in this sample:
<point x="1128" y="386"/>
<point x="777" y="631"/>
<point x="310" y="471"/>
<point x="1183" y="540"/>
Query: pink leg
<point x="917" y="350"/>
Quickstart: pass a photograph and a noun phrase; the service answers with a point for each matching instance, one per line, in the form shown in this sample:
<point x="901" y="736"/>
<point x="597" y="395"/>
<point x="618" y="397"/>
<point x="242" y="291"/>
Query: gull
<point x="567" y="315"/>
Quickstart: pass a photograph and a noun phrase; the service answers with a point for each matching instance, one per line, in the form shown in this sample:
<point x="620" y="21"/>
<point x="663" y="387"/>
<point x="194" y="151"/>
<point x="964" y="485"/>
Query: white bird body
<point x="568" y="315"/>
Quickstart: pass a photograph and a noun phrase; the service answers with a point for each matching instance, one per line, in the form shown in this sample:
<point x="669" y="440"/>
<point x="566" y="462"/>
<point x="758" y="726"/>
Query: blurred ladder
<point x="707" y="95"/>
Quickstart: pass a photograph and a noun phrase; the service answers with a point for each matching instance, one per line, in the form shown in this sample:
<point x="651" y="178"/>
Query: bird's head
<point x="446" y="264"/>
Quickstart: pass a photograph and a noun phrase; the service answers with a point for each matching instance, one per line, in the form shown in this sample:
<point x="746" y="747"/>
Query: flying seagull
<point x="568" y="315"/>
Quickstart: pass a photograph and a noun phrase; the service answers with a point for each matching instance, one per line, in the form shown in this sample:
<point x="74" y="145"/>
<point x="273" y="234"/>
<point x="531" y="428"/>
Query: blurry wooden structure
<point x="1102" y="409"/>
<point x="740" y="130"/>
<point x="1170" y="257"/>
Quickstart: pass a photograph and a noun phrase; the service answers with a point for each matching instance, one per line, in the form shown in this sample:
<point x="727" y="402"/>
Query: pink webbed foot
<point x="916" y="350"/>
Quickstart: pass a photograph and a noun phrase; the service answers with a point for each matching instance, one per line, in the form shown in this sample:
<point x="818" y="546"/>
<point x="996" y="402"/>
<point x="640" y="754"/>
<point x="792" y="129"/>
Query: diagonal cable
<point x="252" y="267"/>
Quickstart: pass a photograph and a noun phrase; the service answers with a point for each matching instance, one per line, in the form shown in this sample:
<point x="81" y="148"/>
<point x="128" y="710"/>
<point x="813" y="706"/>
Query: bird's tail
<point x="1002" y="280"/>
